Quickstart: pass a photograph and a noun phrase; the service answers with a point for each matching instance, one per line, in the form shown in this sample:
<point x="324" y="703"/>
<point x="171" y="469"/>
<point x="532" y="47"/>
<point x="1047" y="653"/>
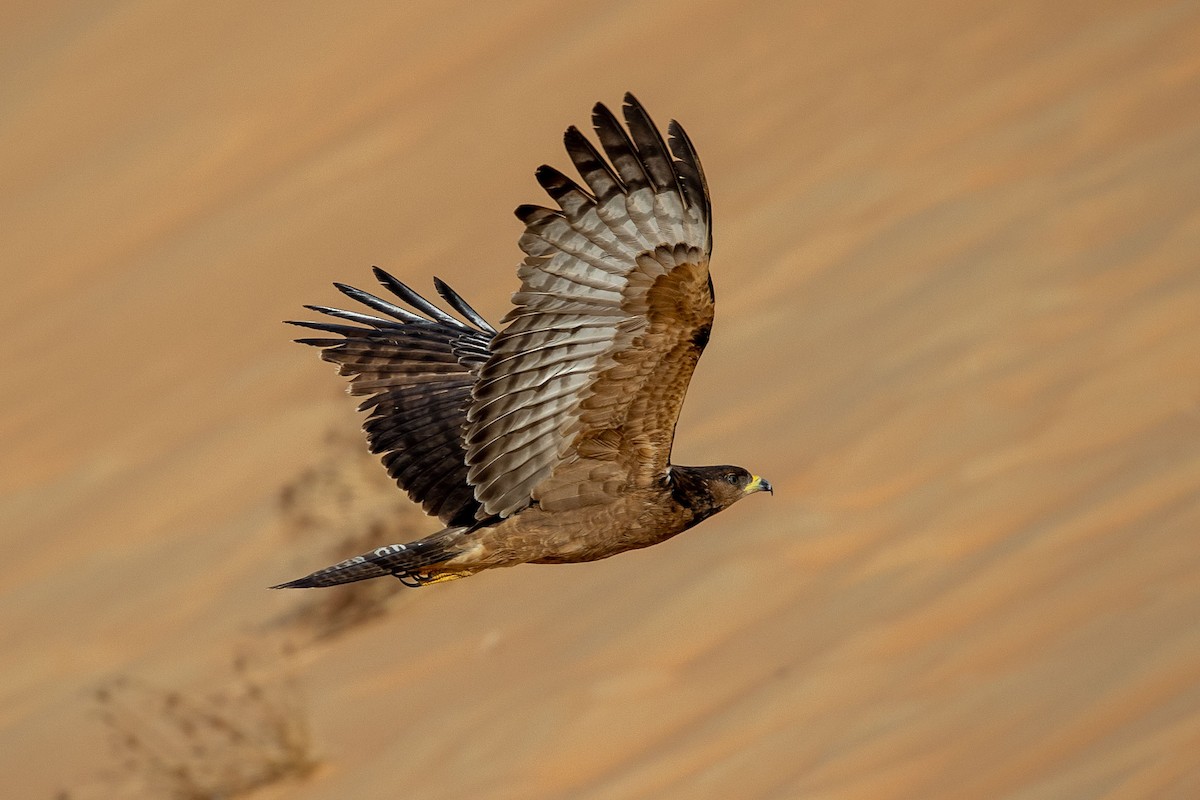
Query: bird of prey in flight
<point x="547" y="440"/>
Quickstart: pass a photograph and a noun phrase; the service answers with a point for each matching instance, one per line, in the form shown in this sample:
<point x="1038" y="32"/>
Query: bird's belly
<point x="596" y="536"/>
<point x="565" y="537"/>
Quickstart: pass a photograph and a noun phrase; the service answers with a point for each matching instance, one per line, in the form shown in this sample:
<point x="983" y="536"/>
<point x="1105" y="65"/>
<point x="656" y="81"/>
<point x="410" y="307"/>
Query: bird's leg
<point x="418" y="579"/>
<point x="408" y="579"/>
<point x="442" y="577"/>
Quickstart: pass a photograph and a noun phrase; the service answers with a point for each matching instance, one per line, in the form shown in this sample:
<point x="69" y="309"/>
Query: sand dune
<point x="958" y="328"/>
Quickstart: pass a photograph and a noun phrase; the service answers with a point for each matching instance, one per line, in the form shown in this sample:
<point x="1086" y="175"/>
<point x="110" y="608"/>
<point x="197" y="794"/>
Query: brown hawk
<point x="548" y="441"/>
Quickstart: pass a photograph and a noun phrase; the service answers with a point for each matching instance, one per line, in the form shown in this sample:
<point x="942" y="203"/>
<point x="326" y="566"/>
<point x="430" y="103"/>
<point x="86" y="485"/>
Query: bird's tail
<point x="415" y="564"/>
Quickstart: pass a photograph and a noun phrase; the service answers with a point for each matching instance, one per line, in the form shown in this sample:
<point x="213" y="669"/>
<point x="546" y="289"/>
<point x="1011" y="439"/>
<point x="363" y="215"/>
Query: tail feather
<point x="408" y="562"/>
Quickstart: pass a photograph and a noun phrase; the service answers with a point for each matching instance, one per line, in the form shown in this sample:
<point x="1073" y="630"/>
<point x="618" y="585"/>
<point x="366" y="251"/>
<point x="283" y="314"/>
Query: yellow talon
<point x="443" y="577"/>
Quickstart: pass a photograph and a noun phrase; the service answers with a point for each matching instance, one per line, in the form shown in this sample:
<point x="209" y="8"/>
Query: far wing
<point x="418" y="370"/>
<point x="580" y="395"/>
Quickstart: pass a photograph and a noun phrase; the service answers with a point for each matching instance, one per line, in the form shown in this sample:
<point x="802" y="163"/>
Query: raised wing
<point x="418" y="370"/>
<point x="580" y="395"/>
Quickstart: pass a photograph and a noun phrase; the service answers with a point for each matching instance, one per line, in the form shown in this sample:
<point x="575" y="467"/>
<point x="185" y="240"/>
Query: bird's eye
<point x="732" y="478"/>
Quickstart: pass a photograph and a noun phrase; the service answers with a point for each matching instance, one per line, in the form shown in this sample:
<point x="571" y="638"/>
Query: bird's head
<point x="711" y="489"/>
<point x="731" y="484"/>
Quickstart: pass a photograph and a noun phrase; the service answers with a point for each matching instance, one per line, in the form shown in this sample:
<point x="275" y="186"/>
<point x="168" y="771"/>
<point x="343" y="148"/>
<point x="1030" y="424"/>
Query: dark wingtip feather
<point x="461" y="306"/>
<point x="398" y="288"/>
<point x="379" y="304"/>
<point x="558" y="185"/>
<point x="328" y="327"/>
<point x="528" y="211"/>
<point x="355" y="316"/>
<point x="316" y="326"/>
<point x="693" y="182"/>
<point x="621" y="150"/>
<point x="595" y="171"/>
<point x="651" y="148"/>
<point x="683" y="149"/>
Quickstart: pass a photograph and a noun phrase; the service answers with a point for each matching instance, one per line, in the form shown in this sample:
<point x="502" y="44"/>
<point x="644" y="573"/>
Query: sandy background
<point x="958" y="276"/>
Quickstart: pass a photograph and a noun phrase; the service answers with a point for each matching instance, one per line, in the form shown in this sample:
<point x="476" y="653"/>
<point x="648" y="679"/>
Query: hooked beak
<point x="759" y="484"/>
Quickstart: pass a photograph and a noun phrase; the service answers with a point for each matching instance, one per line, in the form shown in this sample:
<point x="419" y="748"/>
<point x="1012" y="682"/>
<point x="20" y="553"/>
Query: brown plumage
<point x="549" y="441"/>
